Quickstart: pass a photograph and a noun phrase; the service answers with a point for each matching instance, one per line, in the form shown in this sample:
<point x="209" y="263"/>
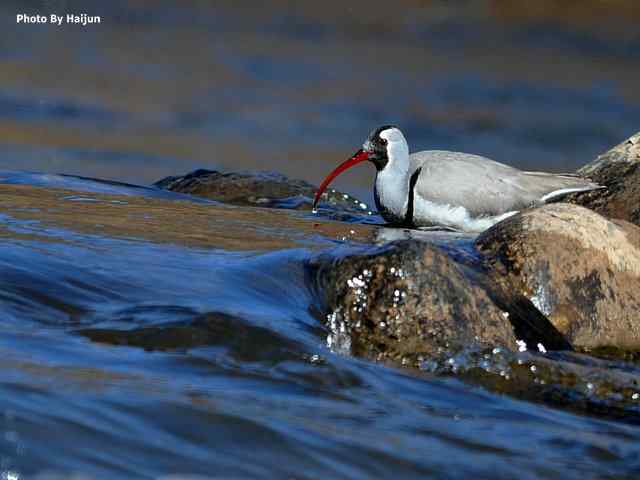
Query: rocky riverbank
<point x="619" y="170"/>
<point x="555" y="277"/>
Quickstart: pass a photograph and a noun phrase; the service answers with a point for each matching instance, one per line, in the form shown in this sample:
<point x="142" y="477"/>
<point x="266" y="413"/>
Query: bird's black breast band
<point x="408" y="218"/>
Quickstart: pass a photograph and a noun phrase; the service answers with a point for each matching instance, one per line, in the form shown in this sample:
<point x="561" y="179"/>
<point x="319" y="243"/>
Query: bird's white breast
<point x="393" y="191"/>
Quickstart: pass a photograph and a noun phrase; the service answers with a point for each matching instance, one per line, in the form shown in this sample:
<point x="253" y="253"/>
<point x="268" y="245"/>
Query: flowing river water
<point x="145" y="334"/>
<point x="148" y="334"/>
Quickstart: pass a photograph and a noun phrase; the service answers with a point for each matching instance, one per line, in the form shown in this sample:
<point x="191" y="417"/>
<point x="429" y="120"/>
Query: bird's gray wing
<point x="549" y="186"/>
<point x="486" y="187"/>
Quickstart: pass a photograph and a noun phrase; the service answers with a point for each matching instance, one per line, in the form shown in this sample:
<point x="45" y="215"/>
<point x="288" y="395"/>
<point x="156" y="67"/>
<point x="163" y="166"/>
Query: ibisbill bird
<point x="461" y="191"/>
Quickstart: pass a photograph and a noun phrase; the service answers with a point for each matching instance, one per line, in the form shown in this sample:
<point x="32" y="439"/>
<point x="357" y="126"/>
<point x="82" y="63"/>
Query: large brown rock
<point x="580" y="269"/>
<point x="618" y="170"/>
<point x="409" y="301"/>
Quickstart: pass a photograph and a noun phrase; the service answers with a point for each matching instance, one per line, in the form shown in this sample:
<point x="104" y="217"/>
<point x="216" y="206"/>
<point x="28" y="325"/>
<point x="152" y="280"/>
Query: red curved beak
<point x="358" y="157"/>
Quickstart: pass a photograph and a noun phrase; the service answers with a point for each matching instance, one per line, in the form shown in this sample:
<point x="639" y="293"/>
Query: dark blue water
<point x="133" y="350"/>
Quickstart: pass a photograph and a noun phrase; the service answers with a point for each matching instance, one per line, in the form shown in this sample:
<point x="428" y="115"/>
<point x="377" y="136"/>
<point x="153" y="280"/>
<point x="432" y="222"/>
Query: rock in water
<point x="405" y="302"/>
<point x="258" y="189"/>
<point x="619" y="170"/>
<point x="581" y="270"/>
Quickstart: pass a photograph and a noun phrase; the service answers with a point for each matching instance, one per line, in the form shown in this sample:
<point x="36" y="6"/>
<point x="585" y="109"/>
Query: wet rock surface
<point x="410" y="302"/>
<point x="580" y="269"/>
<point x="573" y="381"/>
<point x="180" y="222"/>
<point x="262" y="189"/>
<point x="619" y="170"/>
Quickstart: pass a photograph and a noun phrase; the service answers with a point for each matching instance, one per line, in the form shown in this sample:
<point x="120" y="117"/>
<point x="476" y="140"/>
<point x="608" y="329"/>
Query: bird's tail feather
<point x="568" y="176"/>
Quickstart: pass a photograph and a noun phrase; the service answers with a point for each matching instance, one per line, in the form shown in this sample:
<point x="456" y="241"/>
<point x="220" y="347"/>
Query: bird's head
<point x="383" y="147"/>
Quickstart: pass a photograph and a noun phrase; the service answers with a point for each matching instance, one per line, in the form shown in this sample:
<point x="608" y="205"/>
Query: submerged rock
<point x="242" y="340"/>
<point x="618" y="170"/>
<point x="262" y="189"/>
<point x="581" y="270"/>
<point x="408" y="302"/>
<point x="568" y="380"/>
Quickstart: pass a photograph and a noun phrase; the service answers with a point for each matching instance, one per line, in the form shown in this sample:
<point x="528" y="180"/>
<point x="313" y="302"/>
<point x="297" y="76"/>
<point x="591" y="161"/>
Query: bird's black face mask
<point x="376" y="147"/>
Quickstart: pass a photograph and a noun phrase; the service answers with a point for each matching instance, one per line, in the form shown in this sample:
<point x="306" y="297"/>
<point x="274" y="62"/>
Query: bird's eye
<point x="383" y="141"/>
